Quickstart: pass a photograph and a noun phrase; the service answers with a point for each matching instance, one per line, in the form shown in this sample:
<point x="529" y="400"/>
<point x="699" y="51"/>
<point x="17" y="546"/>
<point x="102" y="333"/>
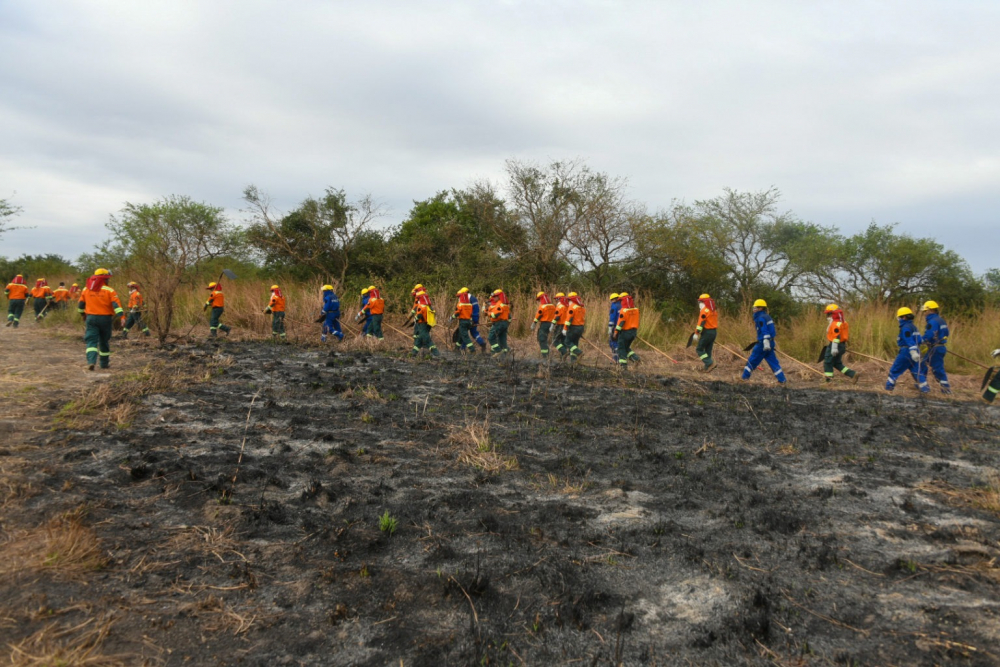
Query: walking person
<point x="330" y="315"/>
<point x="474" y="328"/>
<point x="41" y="297"/>
<point x="706" y="331"/>
<point x="499" y="314"/>
<point x="17" y="296"/>
<point x="543" y="321"/>
<point x="374" y="310"/>
<point x="463" y="312"/>
<point x="908" y="357"/>
<point x="60" y="297"/>
<point x="217" y="302"/>
<point x="98" y="304"/>
<point x="626" y="330"/>
<point x="837" y="334"/>
<point x="764" y="350"/>
<point x="423" y="321"/>
<point x="558" y="321"/>
<point x="993" y="388"/>
<point x="574" y="324"/>
<point x="135" y="304"/>
<point x="613" y="311"/>
<point x="276" y="309"/>
<point x="936" y="339"/>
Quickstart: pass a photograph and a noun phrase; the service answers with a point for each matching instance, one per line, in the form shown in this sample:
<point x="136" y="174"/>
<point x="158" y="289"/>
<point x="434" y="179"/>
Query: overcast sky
<point x="855" y="111"/>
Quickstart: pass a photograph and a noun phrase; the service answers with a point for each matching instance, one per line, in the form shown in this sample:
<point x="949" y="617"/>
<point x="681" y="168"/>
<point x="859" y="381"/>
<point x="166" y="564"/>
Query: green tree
<point x="36" y="266"/>
<point x="7" y="212"/>
<point x="164" y="245"/>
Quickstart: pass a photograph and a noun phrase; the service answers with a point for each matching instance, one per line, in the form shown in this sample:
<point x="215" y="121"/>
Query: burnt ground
<point x="574" y="517"/>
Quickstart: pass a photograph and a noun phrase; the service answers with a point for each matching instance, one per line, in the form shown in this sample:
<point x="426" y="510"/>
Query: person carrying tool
<point x="60" y="296"/>
<point x="613" y="310"/>
<point x="276" y="309"/>
<point x="41" y="297"/>
<point x="474" y="328"/>
<point x="17" y="295"/>
<point x="626" y="330"/>
<point x="764" y="350"/>
<point x="558" y="321"/>
<point x="908" y="358"/>
<point x="573" y="325"/>
<point x="936" y="339"/>
<point x="543" y="321"/>
<point x="706" y="331"/>
<point x="217" y="302"/>
<point x="98" y="304"/>
<point x="330" y="315"/>
<point x="837" y="333"/>
<point x="368" y="319"/>
<point x="135" y="304"/>
<point x="463" y="312"/>
<point x="423" y="318"/>
<point x="373" y="309"/>
<point x="499" y="314"/>
<point x="993" y="388"/>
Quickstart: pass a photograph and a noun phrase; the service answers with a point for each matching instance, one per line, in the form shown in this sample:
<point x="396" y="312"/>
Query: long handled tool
<point x="608" y="356"/>
<point x="730" y="351"/>
<point x="974" y="363"/>
<point x="868" y="356"/>
<point x="657" y="349"/>
<point x="800" y="363"/>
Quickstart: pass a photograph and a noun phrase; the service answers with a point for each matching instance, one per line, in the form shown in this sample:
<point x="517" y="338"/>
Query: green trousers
<point x="135" y="319"/>
<point x="98" y="338"/>
<point x="543" y="337"/>
<point x="278" y="324"/>
<point x="464" y="342"/>
<point x="993" y="388"/>
<point x="213" y="322"/>
<point x="15" y="309"/>
<point x="375" y="327"/>
<point x="706" y="341"/>
<point x="498" y="336"/>
<point x="835" y="361"/>
<point x="574" y="333"/>
<point x="625" y="352"/>
<point x="421" y="338"/>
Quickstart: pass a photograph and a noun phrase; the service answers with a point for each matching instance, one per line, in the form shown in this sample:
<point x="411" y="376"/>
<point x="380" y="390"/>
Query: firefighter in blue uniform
<point x="764" y="350"/>
<point x="331" y="315"/>
<point x="474" y="329"/>
<point x="936" y="340"/>
<point x="908" y="357"/>
<point x="613" y="311"/>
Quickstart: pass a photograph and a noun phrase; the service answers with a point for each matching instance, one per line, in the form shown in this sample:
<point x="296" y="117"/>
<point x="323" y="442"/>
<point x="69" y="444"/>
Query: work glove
<point x="695" y="337"/>
<point x="320" y="319"/>
<point x="915" y="356"/>
<point x="767" y="344"/>
<point x="267" y="311"/>
<point x="451" y="319"/>
<point x="83" y="316"/>
<point x="204" y="308"/>
<point x="611" y="330"/>
<point x="995" y="353"/>
<point x="834" y="348"/>
<point x="534" y="324"/>
<point x="565" y="331"/>
<point x="614" y="336"/>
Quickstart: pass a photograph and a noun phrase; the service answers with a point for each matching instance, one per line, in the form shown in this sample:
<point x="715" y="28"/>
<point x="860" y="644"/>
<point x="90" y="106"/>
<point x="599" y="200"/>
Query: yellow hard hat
<point x="274" y="287"/>
<point x="132" y="284"/>
<point x="371" y="287"/>
<point x="417" y="287"/>
<point x="539" y="295"/>
<point x="464" y="290"/>
<point x="102" y="272"/>
<point x="929" y="305"/>
<point x="832" y="307"/>
<point x="497" y="291"/>
<point x="327" y="288"/>
<point x="559" y="294"/>
<point x="364" y="290"/>
<point x="704" y="296"/>
<point x="572" y="294"/>
<point x="213" y="285"/>
<point x="623" y="294"/>
<point x="903" y="311"/>
<point x="73" y="285"/>
<point x="760" y="303"/>
<point x="614" y="295"/>
<point x="421" y="292"/>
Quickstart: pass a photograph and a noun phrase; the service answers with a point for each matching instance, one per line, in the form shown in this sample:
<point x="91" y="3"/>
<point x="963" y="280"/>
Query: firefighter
<point x="764" y="350"/>
<point x="558" y="320"/>
<point x="17" y="294"/>
<point x="543" y="321"/>
<point x="574" y="324"/>
<point x="368" y="318"/>
<point x="936" y="339"/>
<point x="613" y="311"/>
<point x="626" y="330"/>
<point x="499" y="314"/>
<point x="74" y="291"/>
<point x="135" y="305"/>
<point x="423" y="318"/>
<point x="837" y="333"/>
<point x="276" y="309"/>
<point x="60" y="296"/>
<point x="41" y="297"/>
<point x="330" y="315"/>
<point x="706" y="331"/>
<point x="217" y="302"/>
<point x="474" y="329"/>
<point x="374" y="309"/>
<point x="994" y="386"/>
<point x="908" y="357"/>
<point x="463" y="312"/>
<point x="98" y="304"/>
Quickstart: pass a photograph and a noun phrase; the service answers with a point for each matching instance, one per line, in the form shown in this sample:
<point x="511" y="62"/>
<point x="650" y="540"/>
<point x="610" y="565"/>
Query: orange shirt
<point x="17" y="291"/>
<point x="560" y="315"/>
<point x="60" y="294"/>
<point x="216" y="300"/>
<point x="419" y="313"/>
<point x="576" y="316"/>
<point x="499" y="311"/>
<point x="135" y="300"/>
<point x="708" y="319"/>
<point x="41" y="292"/>
<point x="375" y="306"/>
<point x="837" y="331"/>
<point x="546" y="312"/>
<point x="463" y="311"/>
<point x="276" y="304"/>
<point x="628" y="319"/>
<point x="101" y="302"/>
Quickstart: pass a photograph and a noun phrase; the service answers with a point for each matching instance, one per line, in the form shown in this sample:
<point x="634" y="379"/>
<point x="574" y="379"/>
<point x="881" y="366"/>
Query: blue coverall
<point x="616" y="307"/>
<point x="765" y="331"/>
<point x="368" y="318"/>
<point x="908" y="341"/>
<point x="936" y="340"/>
<point x="474" y="329"/>
<point x="331" y="309"/>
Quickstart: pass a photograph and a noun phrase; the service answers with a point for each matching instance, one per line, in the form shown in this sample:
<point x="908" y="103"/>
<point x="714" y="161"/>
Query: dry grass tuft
<point x="986" y="497"/>
<point x="56" y="645"/>
<point x="477" y="449"/>
<point x="368" y="392"/>
<point x="14" y="489"/>
<point x="64" y="547"/>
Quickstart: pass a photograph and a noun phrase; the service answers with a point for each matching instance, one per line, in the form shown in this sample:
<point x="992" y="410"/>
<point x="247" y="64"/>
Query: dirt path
<point x="330" y="506"/>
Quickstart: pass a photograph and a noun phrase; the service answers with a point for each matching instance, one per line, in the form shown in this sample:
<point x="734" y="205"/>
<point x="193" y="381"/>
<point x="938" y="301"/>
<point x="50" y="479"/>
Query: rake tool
<point x="657" y="349"/>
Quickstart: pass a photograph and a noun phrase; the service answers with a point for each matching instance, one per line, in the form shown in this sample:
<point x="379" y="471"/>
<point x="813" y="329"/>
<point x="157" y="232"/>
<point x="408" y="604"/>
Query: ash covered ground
<point x="541" y="518"/>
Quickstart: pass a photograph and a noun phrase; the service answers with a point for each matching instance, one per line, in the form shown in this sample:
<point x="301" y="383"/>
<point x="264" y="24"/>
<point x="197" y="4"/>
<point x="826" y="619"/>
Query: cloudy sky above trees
<point x="854" y="110"/>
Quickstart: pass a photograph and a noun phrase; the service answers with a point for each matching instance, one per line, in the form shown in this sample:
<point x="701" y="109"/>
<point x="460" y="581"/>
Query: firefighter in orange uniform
<point x="558" y="320"/>
<point x="836" y="336"/>
<point x="373" y="309"/>
<point x="574" y="324"/>
<point x="706" y="332"/>
<point x="276" y="309"/>
<point x="135" y="305"/>
<point x="543" y="321"/>
<point x="217" y="302"/>
<point x="499" y="314"/>
<point x="60" y="296"/>
<point x="463" y="312"/>
<point x="627" y="330"/>
<point x="98" y="304"/>
<point x="17" y="295"/>
<point x="41" y="296"/>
